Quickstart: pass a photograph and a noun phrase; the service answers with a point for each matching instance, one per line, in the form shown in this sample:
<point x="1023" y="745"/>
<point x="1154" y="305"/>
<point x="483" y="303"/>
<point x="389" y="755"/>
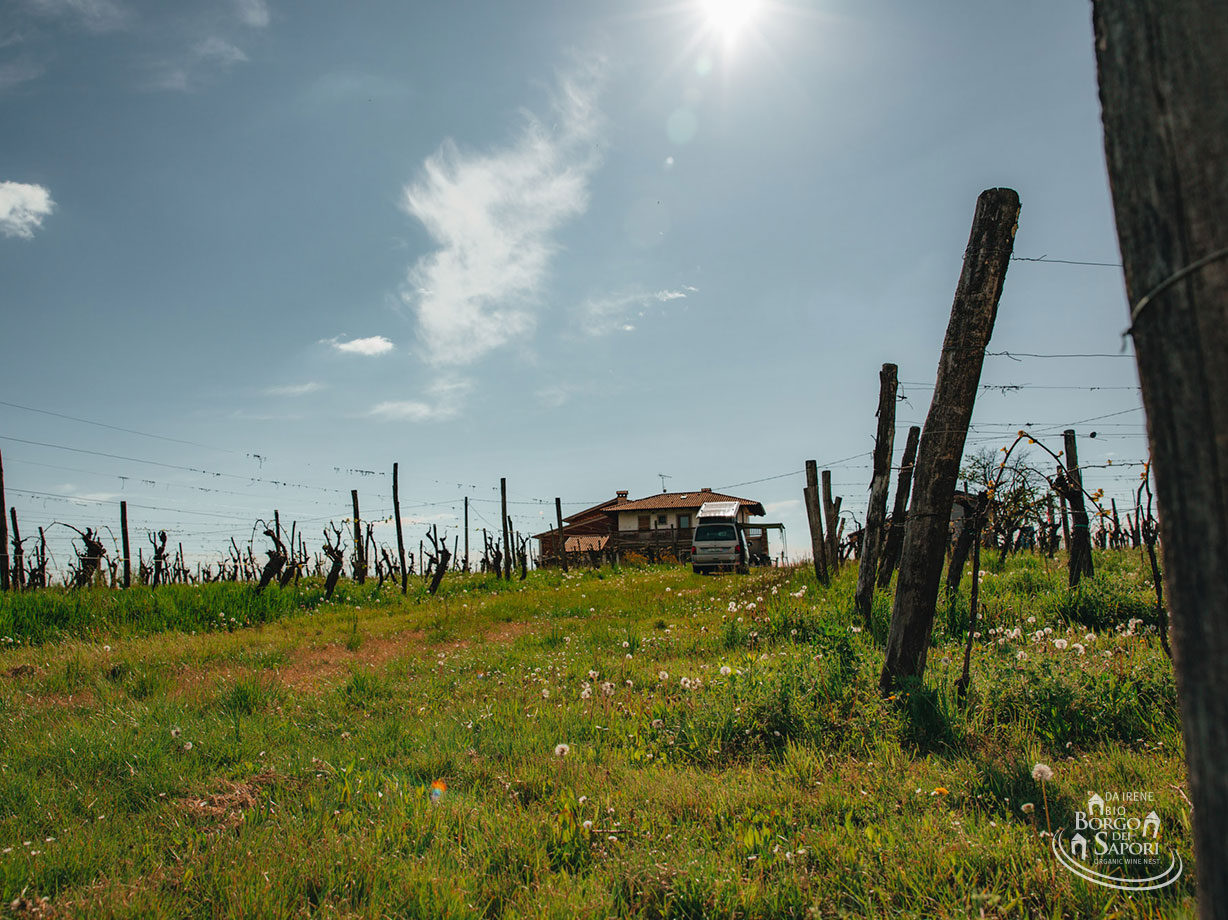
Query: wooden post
<point x="876" y="513"/>
<point x="360" y="550"/>
<point x="1080" y="535"/>
<point x="945" y="432"/>
<point x="277" y="525"/>
<point x="899" y="512"/>
<point x="466" y="534"/>
<point x="1164" y="93"/>
<point x="507" y="547"/>
<point x="4" y="535"/>
<point x="123" y="527"/>
<point x="814" y="518"/>
<point x="396" y="511"/>
<point x="19" y="569"/>
<point x="562" y="546"/>
<point x="832" y="513"/>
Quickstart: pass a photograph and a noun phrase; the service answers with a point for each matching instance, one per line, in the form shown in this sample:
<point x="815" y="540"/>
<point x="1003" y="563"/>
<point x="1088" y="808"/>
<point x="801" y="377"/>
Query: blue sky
<point x="575" y="244"/>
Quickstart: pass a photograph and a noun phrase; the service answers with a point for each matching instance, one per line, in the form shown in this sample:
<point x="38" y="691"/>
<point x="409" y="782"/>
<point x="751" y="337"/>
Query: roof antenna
<point x="663" y="478"/>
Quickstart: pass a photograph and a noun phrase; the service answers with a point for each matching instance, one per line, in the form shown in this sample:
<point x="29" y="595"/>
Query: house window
<point x="645" y="522"/>
<point x="660" y="520"/>
<point x="684" y="522"/>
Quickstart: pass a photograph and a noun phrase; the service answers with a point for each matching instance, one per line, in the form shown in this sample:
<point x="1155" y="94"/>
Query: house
<point x="586" y="531"/>
<point x="657" y="527"/>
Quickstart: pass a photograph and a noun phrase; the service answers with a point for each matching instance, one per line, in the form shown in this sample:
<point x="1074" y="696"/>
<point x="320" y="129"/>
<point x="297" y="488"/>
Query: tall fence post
<point x="945" y="432"/>
<point x="831" y="511"/>
<point x="876" y="513"/>
<point x="562" y="545"/>
<point x="899" y="512"/>
<point x="466" y="535"/>
<point x="814" y="517"/>
<point x="507" y="546"/>
<point x="1080" y="524"/>
<point x="1164" y="95"/>
<point x="123" y="527"/>
<point x="396" y="512"/>
<point x="360" y="549"/>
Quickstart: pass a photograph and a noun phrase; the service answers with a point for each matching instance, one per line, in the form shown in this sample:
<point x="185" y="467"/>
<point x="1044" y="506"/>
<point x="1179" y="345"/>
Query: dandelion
<point x="1021" y="656"/>
<point x="1042" y="773"/>
<point x="585" y="692"/>
<point x="685" y="683"/>
<point x="587" y="825"/>
<point x="562" y="750"/>
<point x="175" y="732"/>
<point x="607" y="688"/>
<point x="1059" y="644"/>
<point x="592" y="675"/>
<point x="1027" y="808"/>
<point x="663" y="676"/>
<point x="726" y="670"/>
<point x="1078" y="647"/>
<point x="187" y="745"/>
<point x="941" y="790"/>
<point x="545" y="693"/>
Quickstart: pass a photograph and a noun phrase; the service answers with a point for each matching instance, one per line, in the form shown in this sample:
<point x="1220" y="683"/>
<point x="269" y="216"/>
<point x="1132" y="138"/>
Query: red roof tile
<point x="694" y="499"/>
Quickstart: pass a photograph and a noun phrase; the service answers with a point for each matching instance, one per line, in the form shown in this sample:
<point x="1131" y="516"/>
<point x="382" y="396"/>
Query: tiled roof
<point x="584" y="544"/>
<point x="669" y="500"/>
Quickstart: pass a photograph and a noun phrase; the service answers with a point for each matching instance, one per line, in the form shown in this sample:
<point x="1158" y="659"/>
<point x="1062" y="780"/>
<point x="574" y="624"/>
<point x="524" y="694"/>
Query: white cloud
<point x="446" y="399"/>
<point x="254" y="13"/>
<point x="494" y="216"/>
<point x="295" y="389"/>
<point x="22" y="208"/>
<point x="602" y="315"/>
<point x="202" y="59"/>
<point x="371" y="345"/>
<point x="18" y="71"/>
<point x="95" y="15"/>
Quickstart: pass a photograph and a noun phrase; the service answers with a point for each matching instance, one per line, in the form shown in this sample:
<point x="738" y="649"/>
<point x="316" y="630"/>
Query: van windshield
<point x="716" y="532"/>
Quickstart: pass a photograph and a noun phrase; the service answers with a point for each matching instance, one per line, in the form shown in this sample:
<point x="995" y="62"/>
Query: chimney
<point x="706" y="489"/>
<point x="621" y="496"/>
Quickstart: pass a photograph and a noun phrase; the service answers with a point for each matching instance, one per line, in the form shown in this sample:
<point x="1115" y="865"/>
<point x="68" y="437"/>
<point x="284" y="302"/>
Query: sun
<point x="728" y="18"/>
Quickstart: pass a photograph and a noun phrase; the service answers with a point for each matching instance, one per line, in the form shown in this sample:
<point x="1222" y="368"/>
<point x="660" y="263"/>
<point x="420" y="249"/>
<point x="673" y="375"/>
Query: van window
<point x="725" y="532"/>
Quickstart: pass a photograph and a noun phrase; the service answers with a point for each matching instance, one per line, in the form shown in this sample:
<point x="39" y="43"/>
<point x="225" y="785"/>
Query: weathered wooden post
<point x="466" y="569"/>
<point x="123" y="527"/>
<point x="831" y="512"/>
<point x="396" y="512"/>
<point x="507" y="546"/>
<point x="1163" y="68"/>
<point x="4" y="535"/>
<point x="1081" y="535"/>
<point x="360" y="551"/>
<point x="814" y="517"/>
<point x="945" y="432"/>
<point x="19" y="568"/>
<point x="562" y="546"/>
<point x="899" y="512"/>
<point x="876" y="513"/>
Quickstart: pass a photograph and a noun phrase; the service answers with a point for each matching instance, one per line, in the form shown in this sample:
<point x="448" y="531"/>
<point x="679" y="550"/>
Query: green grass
<point x="280" y="766"/>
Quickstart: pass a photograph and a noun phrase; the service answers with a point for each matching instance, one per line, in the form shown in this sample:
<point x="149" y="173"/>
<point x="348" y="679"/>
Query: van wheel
<point x="743" y="570"/>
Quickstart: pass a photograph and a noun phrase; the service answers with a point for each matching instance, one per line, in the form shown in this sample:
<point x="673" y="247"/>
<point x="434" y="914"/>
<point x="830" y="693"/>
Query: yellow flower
<point x="941" y="790"/>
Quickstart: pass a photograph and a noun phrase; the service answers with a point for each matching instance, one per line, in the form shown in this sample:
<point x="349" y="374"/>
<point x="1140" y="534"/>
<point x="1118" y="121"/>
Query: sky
<point x="254" y="252"/>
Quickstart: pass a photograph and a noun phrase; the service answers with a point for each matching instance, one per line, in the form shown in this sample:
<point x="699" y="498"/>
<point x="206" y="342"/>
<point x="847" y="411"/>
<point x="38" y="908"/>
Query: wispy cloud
<point x="94" y="15"/>
<point x="22" y="208"/>
<point x="20" y="70"/>
<point x="254" y="13"/>
<point x="295" y="389"/>
<point x="201" y="62"/>
<point x="494" y="216"/>
<point x="371" y="345"/>
<point x="614" y="312"/>
<point x="444" y="401"/>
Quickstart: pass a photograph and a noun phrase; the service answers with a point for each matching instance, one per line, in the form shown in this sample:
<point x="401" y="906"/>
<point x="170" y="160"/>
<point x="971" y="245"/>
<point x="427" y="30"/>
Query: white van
<point x="718" y="542"/>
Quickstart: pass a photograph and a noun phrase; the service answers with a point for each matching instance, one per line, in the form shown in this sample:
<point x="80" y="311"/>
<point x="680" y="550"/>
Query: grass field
<point x="640" y="743"/>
